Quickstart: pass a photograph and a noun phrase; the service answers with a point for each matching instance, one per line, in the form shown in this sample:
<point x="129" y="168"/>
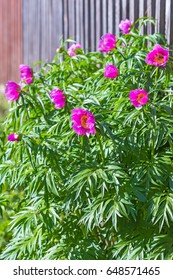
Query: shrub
<point x="92" y="153"/>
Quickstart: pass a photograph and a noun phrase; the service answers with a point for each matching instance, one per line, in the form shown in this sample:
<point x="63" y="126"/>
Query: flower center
<point x="84" y="121"/>
<point x="140" y="96"/>
<point x="159" y="58"/>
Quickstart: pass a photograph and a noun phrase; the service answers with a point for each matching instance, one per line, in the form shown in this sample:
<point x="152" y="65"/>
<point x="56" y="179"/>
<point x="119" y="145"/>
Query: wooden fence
<point x="45" y="21"/>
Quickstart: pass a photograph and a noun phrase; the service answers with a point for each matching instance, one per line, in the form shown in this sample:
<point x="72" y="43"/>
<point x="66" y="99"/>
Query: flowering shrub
<point x="95" y="171"/>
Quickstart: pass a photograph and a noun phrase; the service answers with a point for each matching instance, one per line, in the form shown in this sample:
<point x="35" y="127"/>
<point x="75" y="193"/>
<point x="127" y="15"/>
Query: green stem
<point x="101" y="147"/>
<point x="83" y="147"/>
<point x="156" y="75"/>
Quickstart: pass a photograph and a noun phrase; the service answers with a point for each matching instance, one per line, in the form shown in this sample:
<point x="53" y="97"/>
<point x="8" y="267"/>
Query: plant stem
<point x="101" y="147"/>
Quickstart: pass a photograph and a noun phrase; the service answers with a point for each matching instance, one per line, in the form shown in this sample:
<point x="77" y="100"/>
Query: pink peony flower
<point x="158" y="56"/>
<point x="125" y="26"/>
<point x="14" y="137"/>
<point x="110" y="71"/>
<point x="83" y="121"/>
<point x="107" y="42"/>
<point x="138" y="97"/>
<point x="26" y="74"/>
<point x="58" y="98"/>
<point x="12" y="91"/>
<point x="72" y="51"/>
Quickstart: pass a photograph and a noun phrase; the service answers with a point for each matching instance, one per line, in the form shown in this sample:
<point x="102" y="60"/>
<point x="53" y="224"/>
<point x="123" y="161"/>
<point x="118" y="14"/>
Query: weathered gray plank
<point x="149" y="13"/>
<point x="162" y="16"/>
<point x="81" y="16"/>
<point x="92" y="25"/>
<point x="98" y="26"/>
<point x="71" y="19"/>
<point x="118" y="16"/>
<point x="168" y="20"/>
<point x="104" y="16"/>
<point x="78" y="22"/>
<point x="132" y="10"/>
<point x="171" y="25"/>
<point x="111" y="17"/>
<point x="136" y="10"/>
<point x="86" y="24"/>
<point x="66" y="19"/>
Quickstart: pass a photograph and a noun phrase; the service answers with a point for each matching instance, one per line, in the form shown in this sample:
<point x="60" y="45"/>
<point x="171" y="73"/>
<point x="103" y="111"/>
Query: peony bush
<point x="89" y="149"/>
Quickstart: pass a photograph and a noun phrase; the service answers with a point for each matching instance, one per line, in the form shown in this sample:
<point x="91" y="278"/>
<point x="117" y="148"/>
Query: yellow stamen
<point x="159" y="58"/>
<point x="140" y="96"/>
<point x="84" y="121"/>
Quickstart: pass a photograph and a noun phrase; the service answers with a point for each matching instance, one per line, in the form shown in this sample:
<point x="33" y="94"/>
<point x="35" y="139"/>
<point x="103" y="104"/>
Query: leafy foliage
<point x="106" y="196"/>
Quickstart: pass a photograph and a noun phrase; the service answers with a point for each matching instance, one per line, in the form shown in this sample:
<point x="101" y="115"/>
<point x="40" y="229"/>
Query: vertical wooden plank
<point x="66" y="20"/>
<point x="104" y="16"/>
<point x="123" y="7"/>
<point x="75" y="19"/>
<point x="136" y="10"/>
<point x="141" y="12"/>
<point x="43" y="29"/>
<point x="81" y="23"/>
<point x="101" y="17"/>
<point x="132" y="11"/>
<point x="171" y="26"/>
<point x="86" y="24"/>
<point x="114" y="16"/>
<point x="168" y="20"/>
<point x="157" y="15"/>
<point x="107" y="13"/>
<point x="160" y="16"/>
<point x="34" y="26"/>
<point x="149" y="13"/>
<point x="71" y="18"/>
<point x="128" y="8"/>
<point x="162" y="28"/>
<point x="118" y="16"/>
<point x="25" y="33"/>
<point x="78" y="22"/>
<point x="153" y="14"/>
<point x="145" y="14"/>
<point x="89" y="26"/>
<point x="92" y="25"/>
<point x="111" y="16"/>
<point x="49" y="30"/>
<point x="141" y="8"/>
<point x="98" y="25"/>
<point x="43" y="26"/>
